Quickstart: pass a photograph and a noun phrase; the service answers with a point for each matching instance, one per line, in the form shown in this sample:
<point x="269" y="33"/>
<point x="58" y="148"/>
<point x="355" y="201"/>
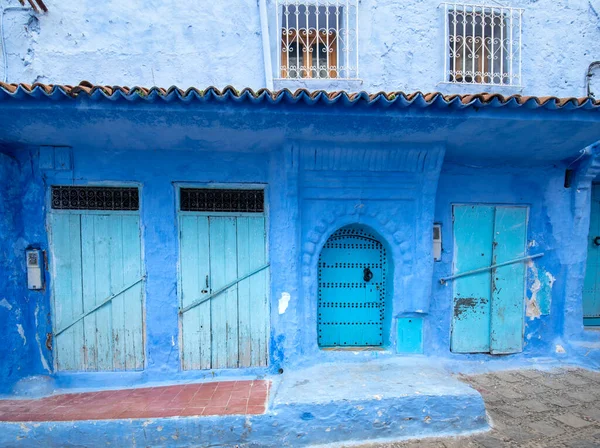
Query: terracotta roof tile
<point x="97" y="92"/>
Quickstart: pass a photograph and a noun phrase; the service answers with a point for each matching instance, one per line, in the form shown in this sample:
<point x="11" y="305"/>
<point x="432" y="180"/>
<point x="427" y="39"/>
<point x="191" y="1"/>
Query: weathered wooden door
<point x="223" y="286"/>
<point x="488" y="306"/>
<point x="351" y="306"/>
<point x="96" y="267"/>
<point x="591" y="286"/>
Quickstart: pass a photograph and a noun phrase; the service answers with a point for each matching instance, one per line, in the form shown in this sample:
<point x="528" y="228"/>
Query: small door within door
<point x="489" y="306"/>
<point x="352" y="278"/>
<point x="591" y="285"/>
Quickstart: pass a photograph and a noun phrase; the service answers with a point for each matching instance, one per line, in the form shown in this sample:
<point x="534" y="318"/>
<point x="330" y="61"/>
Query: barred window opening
<point x="221" y="200"/>
<point x="95" y="198"/>
<point x="317" y="40"/>
<point x="483" y="44"/>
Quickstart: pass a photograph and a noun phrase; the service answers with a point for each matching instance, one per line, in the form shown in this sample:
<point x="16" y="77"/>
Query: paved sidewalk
<point x="531" y="409"/>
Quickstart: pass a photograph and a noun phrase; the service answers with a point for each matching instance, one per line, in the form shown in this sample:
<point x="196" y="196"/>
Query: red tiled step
<point x="218" y="398"/>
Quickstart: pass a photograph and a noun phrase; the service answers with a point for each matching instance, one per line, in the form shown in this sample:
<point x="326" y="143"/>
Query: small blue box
<point x="410" y="335"/>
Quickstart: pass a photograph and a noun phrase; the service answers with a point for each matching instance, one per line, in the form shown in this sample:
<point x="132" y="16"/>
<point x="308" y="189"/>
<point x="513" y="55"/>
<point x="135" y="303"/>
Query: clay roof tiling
<point x="212" y="94"/>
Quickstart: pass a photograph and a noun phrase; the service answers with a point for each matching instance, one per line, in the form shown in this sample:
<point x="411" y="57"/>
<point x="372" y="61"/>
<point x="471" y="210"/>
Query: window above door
<point x="317" y="39"/>
<point x="222" y="200"/>
<point x="482" y="44"/>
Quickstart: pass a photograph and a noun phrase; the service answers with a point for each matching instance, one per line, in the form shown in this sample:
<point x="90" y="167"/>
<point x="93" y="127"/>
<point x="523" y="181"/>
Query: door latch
<point x="367" y="275"/>
<point x="205" y="291"/>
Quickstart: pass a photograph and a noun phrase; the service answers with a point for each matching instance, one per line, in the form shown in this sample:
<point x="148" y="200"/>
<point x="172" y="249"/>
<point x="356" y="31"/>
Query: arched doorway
<point x="352" y="289"/>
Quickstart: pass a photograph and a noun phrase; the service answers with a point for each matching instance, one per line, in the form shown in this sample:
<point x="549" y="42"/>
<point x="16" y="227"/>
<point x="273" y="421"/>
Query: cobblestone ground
<point x="531" y="408"/>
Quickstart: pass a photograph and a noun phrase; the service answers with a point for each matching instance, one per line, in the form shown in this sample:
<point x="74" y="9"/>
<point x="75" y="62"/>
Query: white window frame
<point x="317" y="29"/>
<point x="487" y="59"/>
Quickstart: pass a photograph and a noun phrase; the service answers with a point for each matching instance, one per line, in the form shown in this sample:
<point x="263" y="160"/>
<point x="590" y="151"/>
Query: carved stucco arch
<point x="340" y="216"/>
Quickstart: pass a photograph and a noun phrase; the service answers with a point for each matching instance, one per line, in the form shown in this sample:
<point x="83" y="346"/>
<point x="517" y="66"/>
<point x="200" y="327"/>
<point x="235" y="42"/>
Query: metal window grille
<point x="95" y="198"/>
<point x="483" y="44"/>
<point x="317" y="39"/>
<point x="217" y="200"/>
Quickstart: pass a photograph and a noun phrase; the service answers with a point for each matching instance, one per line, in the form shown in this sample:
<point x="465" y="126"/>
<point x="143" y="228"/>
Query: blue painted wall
<point x="25" y="314"/>
<point x="201" y="44"/>
<point x="14" y="312"/>
<point x="396" y="184"/>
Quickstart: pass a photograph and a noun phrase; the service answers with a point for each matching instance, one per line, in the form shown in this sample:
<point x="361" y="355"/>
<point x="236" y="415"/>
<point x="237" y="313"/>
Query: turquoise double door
<point x="224" y="310"/>
<point x="97" y="291"/>
<point x="488" y="306"/>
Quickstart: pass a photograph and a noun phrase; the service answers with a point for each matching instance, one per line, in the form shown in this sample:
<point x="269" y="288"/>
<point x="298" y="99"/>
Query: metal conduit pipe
<point x="264" y="26"/>
<point x="3" y="40"/>
<point x="588" y="77"/>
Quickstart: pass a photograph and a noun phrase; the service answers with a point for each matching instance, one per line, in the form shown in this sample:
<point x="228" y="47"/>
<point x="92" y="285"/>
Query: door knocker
<point x="597" y="241"/>
<point x="367" y="275"/>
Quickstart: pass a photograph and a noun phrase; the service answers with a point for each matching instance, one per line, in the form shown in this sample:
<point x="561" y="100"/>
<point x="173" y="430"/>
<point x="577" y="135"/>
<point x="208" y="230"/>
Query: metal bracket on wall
<point x="195" y="303"/>
<point x="100" y="305"/>
<point x="488" y="268"/>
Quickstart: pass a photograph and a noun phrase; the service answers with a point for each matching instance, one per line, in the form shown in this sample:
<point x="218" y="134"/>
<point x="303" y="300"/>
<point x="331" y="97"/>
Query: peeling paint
<point x="540" y="300"/>
<point x="22" y="333"/>
<point x="560" y="349"/>
<point x="4" y="303"/>
<point x="466" y="304"/>
<point x="532" y="309"/>
<point x="284" y="302"/>
<point x="37" y="339"/>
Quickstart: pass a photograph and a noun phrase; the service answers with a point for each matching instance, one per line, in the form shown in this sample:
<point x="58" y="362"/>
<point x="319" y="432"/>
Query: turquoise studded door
<point x="352" y="278"/>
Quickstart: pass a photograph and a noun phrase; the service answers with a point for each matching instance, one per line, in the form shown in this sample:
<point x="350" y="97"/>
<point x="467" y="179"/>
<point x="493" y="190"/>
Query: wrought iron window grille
<point x="317" y="39"/>
<point x="482" y="44"/>
<point x="221" y="200"/>
<point x="95" y="198"/>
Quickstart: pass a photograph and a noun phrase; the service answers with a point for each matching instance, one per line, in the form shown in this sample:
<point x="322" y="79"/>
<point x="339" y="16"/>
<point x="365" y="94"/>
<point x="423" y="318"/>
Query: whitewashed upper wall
<point x="205" y="43"/>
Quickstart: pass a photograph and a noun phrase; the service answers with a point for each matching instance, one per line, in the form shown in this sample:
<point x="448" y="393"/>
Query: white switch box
<point x="437" y="242"/>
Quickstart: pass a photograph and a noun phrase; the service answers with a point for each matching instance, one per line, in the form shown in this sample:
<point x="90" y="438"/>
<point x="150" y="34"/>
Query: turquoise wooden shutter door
<point x="508" y="282"/>
<point x="194" y="283"/>
<point x="488" y="306"/>
<point x="96" y="273"/>
<point x="591" y="285"/>
<point x="230" y="329"/>
<point x="473" y="231"/>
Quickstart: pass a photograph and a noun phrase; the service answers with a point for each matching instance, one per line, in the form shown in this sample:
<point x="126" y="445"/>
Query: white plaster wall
<point x="202" y="43"/>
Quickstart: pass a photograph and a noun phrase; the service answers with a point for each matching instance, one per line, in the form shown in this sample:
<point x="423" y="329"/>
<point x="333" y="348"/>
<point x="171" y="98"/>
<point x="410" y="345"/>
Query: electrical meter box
<point x="35" y="269"/>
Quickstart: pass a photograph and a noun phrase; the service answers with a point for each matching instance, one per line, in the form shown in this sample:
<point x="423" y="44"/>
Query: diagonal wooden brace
<point x="489" y="268"/>
<point x="195" y="303"/>
<point x="100" y="305"/>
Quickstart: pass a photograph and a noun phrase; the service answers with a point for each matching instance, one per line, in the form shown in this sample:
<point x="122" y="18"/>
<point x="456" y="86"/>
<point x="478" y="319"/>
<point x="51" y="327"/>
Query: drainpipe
<point x="2" y="39"/>
<point x="264" y="27"/>
<point x="588" y="78"/>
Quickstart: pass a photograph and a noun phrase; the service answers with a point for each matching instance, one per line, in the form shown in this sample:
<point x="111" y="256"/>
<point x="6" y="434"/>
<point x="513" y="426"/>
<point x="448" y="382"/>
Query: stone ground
<point x="530" y="409"/>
